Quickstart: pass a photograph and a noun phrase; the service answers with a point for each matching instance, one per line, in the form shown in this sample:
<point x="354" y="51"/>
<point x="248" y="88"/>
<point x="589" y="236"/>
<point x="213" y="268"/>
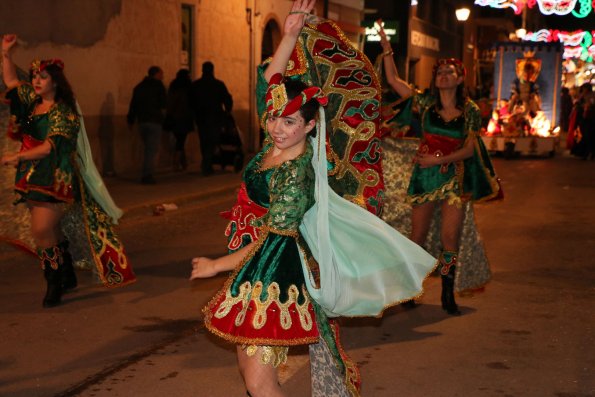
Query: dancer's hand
<point x="8" y="41"/>
<point x="294" y="22"/>
<point x="203" y="268"/>
<point x="10" y="159"/>
<point x="427" y="160"/>
<point x="386" y="47"/>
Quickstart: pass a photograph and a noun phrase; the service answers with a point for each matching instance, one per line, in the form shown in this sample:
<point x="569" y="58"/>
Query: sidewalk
<point x="171" y="188"/>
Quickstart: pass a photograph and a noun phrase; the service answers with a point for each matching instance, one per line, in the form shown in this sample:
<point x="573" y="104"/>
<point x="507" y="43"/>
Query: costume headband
<point x="38" y="66"/>
<point x="460" y="68"/>
<point x="278" y="105"/>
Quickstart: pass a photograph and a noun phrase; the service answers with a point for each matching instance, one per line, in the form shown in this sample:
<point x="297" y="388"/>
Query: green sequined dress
<point x="471" y="179"/>
<point x="265" y="301"/>
<point x="53" y="177"/>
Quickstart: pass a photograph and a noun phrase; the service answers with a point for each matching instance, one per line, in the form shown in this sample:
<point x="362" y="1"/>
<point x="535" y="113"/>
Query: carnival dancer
<point x="452" y="168"/>
<point x="289" y="275"/>
<point x="57" y="180"/>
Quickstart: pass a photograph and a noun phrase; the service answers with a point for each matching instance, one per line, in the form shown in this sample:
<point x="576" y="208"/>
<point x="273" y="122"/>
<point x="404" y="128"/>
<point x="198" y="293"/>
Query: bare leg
<point x="260" y="379"/>
<point x="45" y="223"/>
<point x="421" y="218"/>
<point x="452" y="224"/>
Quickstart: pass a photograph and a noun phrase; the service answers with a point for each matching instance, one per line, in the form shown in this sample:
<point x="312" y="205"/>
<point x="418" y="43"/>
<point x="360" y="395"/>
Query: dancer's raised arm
<point x="390" y="69"/>
<point x="294" y="22"/>
<point x="9" y="72"/>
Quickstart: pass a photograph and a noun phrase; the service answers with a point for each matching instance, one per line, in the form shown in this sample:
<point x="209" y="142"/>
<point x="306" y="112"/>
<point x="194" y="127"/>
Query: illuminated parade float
<point x="527" y="83"/>
<point x="526" y="116"/>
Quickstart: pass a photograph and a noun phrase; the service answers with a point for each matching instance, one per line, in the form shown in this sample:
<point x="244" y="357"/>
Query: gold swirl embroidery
<point x="253" y="293"/>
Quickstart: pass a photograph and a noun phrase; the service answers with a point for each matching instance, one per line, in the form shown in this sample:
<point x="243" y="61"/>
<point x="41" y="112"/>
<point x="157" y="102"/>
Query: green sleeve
<point x="472" y="117"/>
<point x="22" y="99"/>
<point x="63" y="126"/>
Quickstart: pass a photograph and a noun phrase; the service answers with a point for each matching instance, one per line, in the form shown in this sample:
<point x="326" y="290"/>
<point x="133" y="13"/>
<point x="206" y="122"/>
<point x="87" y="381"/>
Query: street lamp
<point x="462" y="14"/>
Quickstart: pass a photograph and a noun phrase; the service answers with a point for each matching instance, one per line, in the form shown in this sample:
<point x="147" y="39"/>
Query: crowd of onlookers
<point x="204" y="103"/>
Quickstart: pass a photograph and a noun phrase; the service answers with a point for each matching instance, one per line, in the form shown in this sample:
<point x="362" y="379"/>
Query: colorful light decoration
<point x="546" y="7"/>
<point x="577" y="44"/>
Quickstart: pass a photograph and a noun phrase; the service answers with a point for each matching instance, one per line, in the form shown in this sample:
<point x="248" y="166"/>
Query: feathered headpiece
<point x="38" y="66"/>
<point x="278" y="105"/>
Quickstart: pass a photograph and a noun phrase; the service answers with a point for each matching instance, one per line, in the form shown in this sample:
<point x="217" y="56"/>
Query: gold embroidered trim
<point x="444" y="192"/>
<point x="288" y="233"/>
<point x="252" y="293"/>
<point x="59" y="133"/>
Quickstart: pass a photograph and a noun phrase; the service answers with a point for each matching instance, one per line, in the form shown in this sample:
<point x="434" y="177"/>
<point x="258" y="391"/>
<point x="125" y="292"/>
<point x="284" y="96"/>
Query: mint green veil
<point x="365" y="265"/>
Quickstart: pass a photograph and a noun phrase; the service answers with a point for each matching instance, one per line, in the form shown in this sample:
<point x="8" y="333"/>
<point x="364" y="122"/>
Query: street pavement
<point x="531" y="333"/>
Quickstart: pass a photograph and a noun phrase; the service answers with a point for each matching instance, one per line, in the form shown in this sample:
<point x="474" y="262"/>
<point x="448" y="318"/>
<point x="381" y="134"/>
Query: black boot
<point x="69" y="280"/>
<point x="51" y="259"/>
<point x="448" y="268"/>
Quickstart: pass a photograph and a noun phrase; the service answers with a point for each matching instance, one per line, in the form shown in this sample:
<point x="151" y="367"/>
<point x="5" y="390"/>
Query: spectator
<point x="179" y="119"/>
<point x="147" y="107"/>
<point x="565" y="108"/>
<point x="210" y="101"/>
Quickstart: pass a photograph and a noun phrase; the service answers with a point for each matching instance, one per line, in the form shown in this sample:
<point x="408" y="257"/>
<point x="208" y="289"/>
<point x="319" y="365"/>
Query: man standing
<point x="148" y="108"/>
<point x="210" y="100"/>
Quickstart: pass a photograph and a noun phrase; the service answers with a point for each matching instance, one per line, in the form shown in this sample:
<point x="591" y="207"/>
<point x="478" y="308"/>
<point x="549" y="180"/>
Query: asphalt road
<point x="530" y="334"/>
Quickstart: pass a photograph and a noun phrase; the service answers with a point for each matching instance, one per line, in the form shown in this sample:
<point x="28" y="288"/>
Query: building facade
<point x="107" y="47"/>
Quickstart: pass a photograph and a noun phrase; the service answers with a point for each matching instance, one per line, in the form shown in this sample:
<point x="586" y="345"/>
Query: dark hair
<point x="461" y="94"/>
<point x="183" y="74"/>
<point x="153" y="70"/>
<point x="208" y="68"/>
<point x="182" y="80"/>
<point x="309" y="110"/>
<point x="63" y="89"/>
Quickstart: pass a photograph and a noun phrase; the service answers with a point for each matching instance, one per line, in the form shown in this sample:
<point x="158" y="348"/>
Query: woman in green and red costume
<point x="57" y="180"/>
<point x="289" y="274"/>
<point x="452" y="166"/>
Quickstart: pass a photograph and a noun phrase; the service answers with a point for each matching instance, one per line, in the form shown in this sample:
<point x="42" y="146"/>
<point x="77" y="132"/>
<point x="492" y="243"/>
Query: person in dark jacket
<point x="147" y="107"/>
<point x="179" y="118"/>
<point x="210" y="101"/>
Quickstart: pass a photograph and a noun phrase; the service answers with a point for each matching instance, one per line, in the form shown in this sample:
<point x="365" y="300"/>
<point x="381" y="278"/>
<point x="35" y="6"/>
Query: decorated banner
<point x="578" y="44"/>
<point x="577" y="8"/>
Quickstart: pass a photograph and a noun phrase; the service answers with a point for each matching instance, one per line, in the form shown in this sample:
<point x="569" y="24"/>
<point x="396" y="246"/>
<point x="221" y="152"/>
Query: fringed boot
<point x="51" y="263"/>
<point x="448" y="266"/>
<point x="69" y="280"/>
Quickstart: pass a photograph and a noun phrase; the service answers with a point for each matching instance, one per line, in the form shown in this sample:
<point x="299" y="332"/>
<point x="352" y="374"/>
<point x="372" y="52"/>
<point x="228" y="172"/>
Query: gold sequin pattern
<point x="273" y="355"/>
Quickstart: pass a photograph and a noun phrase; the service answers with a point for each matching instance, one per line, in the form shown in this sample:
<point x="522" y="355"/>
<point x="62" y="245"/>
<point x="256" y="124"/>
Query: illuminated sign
<point x="391" y="28"/>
